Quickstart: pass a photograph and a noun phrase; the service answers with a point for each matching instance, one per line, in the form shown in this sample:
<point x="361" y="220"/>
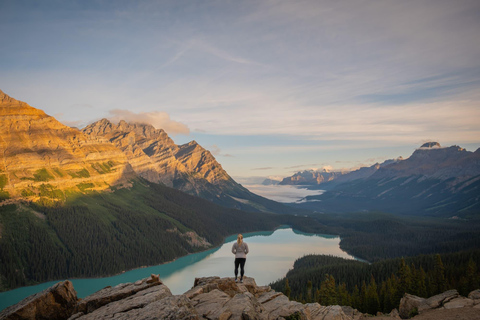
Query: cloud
<point x="215" y="150"/>
<point x="264" y="168"/>
<point x="158" y="119"/>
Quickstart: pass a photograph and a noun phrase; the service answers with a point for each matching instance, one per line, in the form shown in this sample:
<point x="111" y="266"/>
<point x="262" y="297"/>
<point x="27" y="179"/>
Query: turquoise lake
<point x="272" y="254"/>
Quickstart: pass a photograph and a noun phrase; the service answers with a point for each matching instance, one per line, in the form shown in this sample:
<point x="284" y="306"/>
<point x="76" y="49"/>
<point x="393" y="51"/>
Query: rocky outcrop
<point x="40" y="157"/>
<point x="210" y="298"/>
<point x="56" y="302"/>
<point x="411" y="304"/>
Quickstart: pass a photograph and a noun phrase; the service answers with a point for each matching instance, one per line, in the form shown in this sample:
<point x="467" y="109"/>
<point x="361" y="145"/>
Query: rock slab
<point x="56" y="302"/>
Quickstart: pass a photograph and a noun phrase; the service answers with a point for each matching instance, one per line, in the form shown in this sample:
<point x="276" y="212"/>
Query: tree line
<point x="379" y="286"/>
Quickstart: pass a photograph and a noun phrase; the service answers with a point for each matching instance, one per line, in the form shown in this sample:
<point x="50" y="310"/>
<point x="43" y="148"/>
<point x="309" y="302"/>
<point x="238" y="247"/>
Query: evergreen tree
<point x="422" y="286"/>
<point x="363" y="297"/>
<point x="343" y="297"/>
<point x="328" y="292"/>
<point x="309" y="291"/>
<point x="356" y="298"/>
<point x="288" y="290"/>
<point x="404" y="280"/>
<point x="372" y="301"/>
<point x="439" y="283"/>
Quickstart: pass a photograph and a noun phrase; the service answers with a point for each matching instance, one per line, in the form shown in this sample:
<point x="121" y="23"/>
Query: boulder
<point x="442" y="298"/>
<point x="410" y="302"/>
<point x="459" y="302"/>
<point x="56" y="302"/>
<point x="474" y="295"/>
<point x="119" y="292"/>
<point x="168" y="308"/>
<point x="210" y="305"/>
<point x="120" y="308"/>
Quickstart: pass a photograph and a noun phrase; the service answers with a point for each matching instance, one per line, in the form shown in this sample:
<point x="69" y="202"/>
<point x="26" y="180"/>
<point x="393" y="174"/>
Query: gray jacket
<point x="240" y="251"/>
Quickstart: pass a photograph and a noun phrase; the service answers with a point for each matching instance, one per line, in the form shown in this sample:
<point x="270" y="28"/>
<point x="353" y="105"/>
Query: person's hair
<point x="239" y="239"/>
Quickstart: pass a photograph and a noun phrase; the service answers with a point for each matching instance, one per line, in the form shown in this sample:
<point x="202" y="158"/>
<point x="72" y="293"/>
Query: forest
<point x="379" y="286"/>
<point x="375" y="236"/>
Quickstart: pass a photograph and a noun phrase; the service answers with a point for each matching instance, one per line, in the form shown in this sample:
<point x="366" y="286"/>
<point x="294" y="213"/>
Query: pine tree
<point x="356" y="298"/>
<point x="404" y="280"/>
<point x="439" y="283"/>
<point x="343" y="297"/>
<point x="287" y="291"/>
<point x="372" y="301"/>
<point x="363" y="297"/>
<point x="422" y="286"/>
<point x="328" y="292"/>
<point x="309" y="291"/>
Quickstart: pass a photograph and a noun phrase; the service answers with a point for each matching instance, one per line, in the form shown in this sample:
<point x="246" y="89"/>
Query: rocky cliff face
<point x="154" y="156"/>
<point x="189" y="167"/>
<point x="210" y="298"/>
<point x="40" y="156"/>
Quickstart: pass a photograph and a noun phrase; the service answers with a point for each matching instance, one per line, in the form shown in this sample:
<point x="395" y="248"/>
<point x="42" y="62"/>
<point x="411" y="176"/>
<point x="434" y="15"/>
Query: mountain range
<point x="434" y="180"/>
<point x="44" y="160"/>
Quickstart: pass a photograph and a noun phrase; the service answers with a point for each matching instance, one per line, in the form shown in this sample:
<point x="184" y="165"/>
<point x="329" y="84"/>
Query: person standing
<point x="240" y="250"/>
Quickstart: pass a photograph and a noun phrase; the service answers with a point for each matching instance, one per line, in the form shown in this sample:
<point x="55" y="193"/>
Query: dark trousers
<point x="240" y="262"/>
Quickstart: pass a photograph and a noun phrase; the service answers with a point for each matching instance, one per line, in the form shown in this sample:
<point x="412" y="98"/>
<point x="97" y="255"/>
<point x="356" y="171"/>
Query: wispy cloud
<point x="216" y="151"/>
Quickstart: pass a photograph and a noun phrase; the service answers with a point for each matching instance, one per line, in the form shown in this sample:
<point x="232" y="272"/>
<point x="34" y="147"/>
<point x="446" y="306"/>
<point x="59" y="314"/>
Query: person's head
<point x="239" y="238"/>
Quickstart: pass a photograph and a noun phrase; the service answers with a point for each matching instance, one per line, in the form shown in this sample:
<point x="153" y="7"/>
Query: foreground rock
<point x="411" y="305"/>
<point x="56" y="302"/>
<point x="210" y="298"/>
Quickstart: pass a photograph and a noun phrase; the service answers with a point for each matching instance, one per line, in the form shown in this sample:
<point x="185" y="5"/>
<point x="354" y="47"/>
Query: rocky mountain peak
<point x="431" y="145"/>
<point x="36" y="148"/>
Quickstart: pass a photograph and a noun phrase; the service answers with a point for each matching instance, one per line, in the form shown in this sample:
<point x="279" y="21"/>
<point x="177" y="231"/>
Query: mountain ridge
<point x="434" y="180"/>
<point x="37" y="151"/>
<point x="188" y="167"/>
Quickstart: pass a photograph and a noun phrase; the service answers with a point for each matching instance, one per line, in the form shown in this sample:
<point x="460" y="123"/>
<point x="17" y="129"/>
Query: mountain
<point x="328" y="179"/>
<point x="434" y="180"/>
<point x="42" y="158"/>
<point x="311" y="177"/>
<point x="188" y="167"/>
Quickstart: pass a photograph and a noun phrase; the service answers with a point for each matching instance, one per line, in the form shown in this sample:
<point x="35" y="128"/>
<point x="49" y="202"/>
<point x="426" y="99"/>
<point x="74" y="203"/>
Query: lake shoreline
<point x="179" y="273"/>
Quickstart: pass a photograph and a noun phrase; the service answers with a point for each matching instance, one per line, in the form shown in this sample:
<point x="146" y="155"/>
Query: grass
<point x="80" y="174"/>
<point x="3" y="181"/>
<point x="58" y="172"/>
<point x="42" y="175"/>
<point x="84" y="186"/>
<point x="102" y="168"/>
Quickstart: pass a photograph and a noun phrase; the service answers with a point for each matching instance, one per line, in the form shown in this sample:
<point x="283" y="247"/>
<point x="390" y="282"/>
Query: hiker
<point x="240" y="250"/>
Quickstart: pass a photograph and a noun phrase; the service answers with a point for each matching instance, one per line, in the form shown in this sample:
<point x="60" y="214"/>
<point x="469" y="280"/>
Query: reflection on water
<point x="271" y="255"/>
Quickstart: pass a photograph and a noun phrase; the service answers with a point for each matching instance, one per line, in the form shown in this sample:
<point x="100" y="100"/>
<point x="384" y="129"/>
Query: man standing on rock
<point x="240" y="250"/>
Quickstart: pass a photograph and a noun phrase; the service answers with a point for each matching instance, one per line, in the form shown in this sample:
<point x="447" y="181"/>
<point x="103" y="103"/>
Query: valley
<point x="115" y="197"/>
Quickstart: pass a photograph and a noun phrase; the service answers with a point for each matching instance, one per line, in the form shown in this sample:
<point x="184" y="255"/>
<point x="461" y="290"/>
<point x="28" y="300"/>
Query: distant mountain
<point x="311" y="177"/>
<point x="42" y="158"/>
<point x="270" y="182"/>
<point x="433" y="181"/>
<point x="189" y="167"/>
<point x="327" y="179"/>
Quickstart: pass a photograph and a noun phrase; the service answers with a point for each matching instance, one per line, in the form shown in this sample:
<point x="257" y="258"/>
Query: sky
<point x="269" y="87"/>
